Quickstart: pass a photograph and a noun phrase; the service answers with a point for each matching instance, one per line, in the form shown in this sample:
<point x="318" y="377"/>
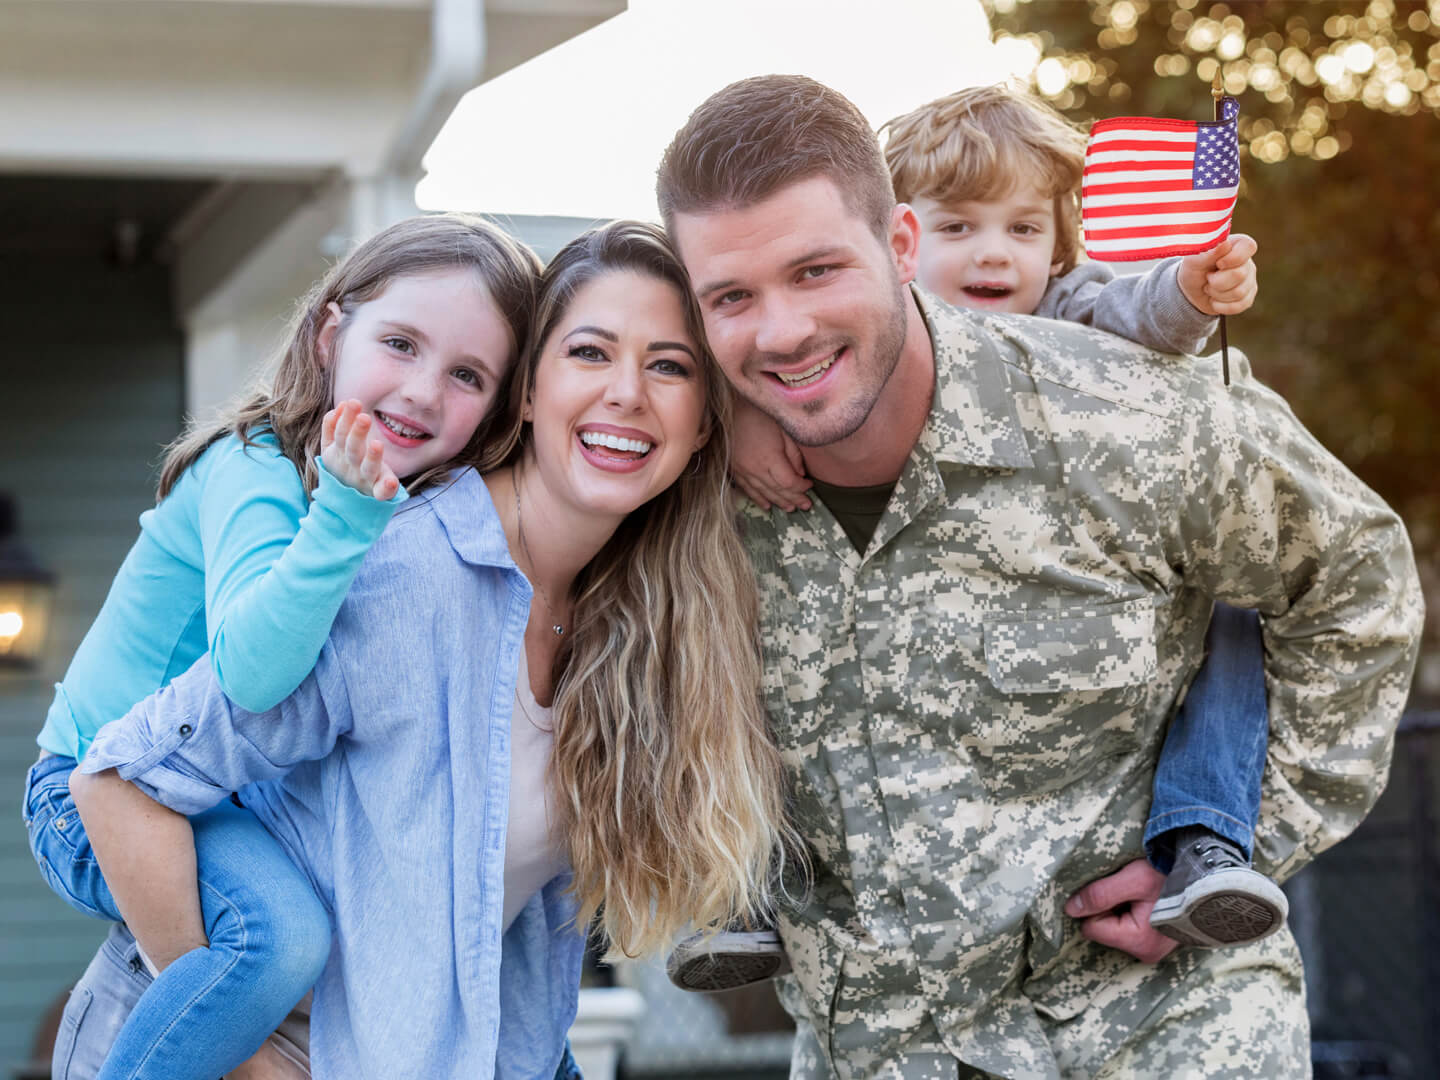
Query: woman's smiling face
<point x="618" y="401"/>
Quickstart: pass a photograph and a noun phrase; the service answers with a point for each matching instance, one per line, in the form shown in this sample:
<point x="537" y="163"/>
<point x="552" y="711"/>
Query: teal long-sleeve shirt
<point x="236" y="561"/>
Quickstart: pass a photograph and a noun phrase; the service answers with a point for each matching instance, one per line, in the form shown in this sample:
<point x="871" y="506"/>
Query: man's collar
<point x="973" y="418"/>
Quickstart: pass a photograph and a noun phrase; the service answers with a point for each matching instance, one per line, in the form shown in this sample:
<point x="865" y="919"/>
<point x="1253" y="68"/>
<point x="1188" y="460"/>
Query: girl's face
<point x="618" y="401"/>
<point x="424" y="358"/>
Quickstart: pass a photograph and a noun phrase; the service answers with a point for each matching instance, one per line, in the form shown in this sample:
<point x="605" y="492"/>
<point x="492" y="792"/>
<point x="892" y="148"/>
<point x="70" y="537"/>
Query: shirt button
<point x="186" y="729"/>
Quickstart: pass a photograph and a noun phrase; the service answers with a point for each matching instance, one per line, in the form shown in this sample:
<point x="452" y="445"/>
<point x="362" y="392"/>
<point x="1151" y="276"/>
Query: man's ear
<point x="329" y="327"/>
<point x="905" y="241"/>
<point x="1055" y="268"/>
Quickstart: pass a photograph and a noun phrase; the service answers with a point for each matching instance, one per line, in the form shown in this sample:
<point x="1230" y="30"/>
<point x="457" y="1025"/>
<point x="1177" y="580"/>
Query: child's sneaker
<point x="1213" y="898"/>
<point x="727" y="960"/>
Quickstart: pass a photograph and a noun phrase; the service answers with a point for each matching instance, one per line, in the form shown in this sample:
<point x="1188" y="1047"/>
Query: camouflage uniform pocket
<point x="1090" y="649"/>
<point x="1066" y="690"/>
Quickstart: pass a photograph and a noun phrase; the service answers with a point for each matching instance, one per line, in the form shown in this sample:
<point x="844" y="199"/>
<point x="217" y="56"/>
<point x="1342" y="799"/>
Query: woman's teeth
<point x="615" y="442"/>
<point x="809" y="375"/>
<point x="401" y="429"/>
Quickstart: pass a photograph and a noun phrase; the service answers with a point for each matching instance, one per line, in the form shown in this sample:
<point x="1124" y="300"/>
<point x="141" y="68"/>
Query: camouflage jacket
<point x="971" y="710"/>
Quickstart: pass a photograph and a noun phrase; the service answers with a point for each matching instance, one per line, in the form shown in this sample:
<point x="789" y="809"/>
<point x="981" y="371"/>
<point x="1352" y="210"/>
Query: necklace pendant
<point x="559" y="630"/>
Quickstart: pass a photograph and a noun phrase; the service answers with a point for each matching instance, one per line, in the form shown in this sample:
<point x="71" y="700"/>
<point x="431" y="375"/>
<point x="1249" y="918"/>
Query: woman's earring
<point x="695" y="465"/>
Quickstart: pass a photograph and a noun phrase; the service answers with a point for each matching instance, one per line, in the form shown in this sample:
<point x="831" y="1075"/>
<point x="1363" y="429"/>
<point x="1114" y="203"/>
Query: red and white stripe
<point x="1137" y="199"/>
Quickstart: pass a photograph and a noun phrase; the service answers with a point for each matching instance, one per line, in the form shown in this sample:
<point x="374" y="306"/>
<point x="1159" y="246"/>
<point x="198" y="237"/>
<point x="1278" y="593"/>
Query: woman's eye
<point x="399" y="344"/>
<point x="587" y="352"/>
<point x="468" y="376"/>
<point x="670" y="367"/>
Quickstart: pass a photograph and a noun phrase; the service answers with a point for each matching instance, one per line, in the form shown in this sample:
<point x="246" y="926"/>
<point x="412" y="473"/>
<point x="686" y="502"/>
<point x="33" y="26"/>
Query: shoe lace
<point x="1228" y="856"/>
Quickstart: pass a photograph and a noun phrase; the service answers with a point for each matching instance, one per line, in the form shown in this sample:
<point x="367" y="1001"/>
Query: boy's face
<point x="994" y="255"/>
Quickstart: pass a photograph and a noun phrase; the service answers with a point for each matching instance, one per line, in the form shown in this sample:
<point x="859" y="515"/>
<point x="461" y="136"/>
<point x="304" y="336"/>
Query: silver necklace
<point x="520" y="700"/>
<point x="558" y="627"/>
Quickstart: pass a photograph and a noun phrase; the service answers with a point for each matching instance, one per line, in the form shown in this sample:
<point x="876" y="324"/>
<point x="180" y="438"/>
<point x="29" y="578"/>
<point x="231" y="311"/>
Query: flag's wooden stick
<point x="1217" y="91"/>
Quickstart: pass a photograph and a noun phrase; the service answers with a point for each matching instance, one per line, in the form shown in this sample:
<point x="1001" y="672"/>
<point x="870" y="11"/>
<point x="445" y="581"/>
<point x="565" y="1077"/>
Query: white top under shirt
<point x="532" y="857"/>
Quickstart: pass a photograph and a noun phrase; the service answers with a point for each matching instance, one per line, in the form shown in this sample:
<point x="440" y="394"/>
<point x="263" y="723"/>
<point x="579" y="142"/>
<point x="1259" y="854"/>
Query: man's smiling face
<point x="804" y="306"/>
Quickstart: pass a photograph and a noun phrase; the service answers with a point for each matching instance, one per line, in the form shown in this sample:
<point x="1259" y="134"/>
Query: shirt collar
<point x="973" y="418"/>
<point x="462" y="503"/>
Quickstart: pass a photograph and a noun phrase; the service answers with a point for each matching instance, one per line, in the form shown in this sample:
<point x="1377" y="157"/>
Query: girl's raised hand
<point x="351" y="456"/>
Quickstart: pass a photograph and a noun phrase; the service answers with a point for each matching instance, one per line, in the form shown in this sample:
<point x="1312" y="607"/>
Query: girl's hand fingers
<point x="386" y="487"/>
<point x="327" y="429"/>
<point x="384" y="484"/>
<point x="373" y="461"/>
<point x="345" y="414"/>
<point x="357" y="443"/>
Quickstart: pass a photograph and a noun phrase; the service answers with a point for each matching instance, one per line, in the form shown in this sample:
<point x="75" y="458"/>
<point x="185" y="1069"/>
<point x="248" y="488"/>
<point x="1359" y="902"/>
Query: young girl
<point x="392" y="368"/>
<point x="483" y="767"/>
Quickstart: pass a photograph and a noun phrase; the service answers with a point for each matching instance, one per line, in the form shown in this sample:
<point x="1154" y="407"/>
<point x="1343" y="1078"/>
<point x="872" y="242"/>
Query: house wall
<point x="92" y="374"/>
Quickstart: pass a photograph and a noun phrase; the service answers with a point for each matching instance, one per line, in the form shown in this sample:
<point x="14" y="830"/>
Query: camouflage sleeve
<point x="1270" y="519"/>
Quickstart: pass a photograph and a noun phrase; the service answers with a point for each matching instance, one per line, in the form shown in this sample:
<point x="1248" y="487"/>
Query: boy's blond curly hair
<point x="977" y="144"/>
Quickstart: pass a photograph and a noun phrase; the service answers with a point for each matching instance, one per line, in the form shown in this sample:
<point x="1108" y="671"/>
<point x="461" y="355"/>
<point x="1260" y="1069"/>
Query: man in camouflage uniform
<point x="971" y="707"/>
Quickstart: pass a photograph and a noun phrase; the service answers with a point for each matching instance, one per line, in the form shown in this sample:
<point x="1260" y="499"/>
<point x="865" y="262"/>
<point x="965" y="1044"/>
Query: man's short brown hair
<point x="758" y="135"/>
<point x="977" y="144"/>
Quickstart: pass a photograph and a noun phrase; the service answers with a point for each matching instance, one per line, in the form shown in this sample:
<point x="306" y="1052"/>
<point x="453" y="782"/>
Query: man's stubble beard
<point x="887" y="349"/>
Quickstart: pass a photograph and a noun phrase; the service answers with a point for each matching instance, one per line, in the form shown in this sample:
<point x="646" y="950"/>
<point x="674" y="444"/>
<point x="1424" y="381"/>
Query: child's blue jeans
<point x="103" y="999"/>
<point x="213" y="1007"/>
<point x="1214" y="753"/>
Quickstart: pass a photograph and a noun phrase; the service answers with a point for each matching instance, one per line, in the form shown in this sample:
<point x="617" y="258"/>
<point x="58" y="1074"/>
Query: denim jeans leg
<point x="98" y="1007"/>
<point x="58" y="841"/>
<point x="269" y="940"/>
<point x="1214" y="754"/>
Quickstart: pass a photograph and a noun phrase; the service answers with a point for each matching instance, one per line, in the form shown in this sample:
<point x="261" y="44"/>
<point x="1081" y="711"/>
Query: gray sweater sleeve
<point x="1148" y="308"/>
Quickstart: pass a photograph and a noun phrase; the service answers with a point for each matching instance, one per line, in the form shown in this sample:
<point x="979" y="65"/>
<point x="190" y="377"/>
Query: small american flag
<point x="1155" y="188"/>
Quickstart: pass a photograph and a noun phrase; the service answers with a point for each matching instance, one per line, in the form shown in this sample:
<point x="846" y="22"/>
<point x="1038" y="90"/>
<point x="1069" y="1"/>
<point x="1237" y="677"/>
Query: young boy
<point x="993" y="176"/>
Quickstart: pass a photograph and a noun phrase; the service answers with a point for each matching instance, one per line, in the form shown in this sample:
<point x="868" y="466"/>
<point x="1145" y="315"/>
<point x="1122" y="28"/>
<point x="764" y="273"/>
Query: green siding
<point x="93" y="389"/>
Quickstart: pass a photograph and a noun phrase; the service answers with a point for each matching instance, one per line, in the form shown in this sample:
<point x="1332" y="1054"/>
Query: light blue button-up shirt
<point x="386" y="777"/>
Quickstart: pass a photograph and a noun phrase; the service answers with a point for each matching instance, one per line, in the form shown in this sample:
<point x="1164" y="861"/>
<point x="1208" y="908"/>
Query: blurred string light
<point x="1382" y="55"/>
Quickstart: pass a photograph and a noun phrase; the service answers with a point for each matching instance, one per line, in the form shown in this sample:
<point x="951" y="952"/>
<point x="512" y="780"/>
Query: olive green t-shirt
<point x="857" y="509"/>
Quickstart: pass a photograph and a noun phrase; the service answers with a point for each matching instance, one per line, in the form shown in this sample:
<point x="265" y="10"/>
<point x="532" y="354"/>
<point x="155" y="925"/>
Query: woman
<point x="469" y="776"/>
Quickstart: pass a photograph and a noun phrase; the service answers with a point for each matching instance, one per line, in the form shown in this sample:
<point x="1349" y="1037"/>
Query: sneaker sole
<point x="727" y="962"/>
<point x="1232" y="907"/>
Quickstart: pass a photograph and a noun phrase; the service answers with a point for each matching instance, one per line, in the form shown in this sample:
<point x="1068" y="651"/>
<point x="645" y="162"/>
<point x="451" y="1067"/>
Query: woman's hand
<point x="764" y="462"/>
<point x="351" y="456"/>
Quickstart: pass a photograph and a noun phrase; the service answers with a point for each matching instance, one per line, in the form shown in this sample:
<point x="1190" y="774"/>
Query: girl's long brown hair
<point x="667" y="781"/>
<point x="294" y="404"/>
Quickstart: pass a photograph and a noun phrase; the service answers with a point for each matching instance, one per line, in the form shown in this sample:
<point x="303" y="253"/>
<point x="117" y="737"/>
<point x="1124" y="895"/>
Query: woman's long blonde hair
<point x="294" y="404"/>
<point x="667" y="781"/>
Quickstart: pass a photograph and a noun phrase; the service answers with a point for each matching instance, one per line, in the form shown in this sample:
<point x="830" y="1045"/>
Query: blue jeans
<point x="107" y="992"/>
<point x="1214" y="753"/>
<point x="213" y="1007"/>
